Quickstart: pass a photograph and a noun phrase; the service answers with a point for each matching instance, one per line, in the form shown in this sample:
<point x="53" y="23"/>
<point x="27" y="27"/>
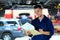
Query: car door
<point x="1" y="28"/>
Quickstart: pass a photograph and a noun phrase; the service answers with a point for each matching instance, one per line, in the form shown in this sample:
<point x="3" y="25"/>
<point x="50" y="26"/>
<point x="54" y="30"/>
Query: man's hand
<point x="44" y="32"/>
<point x="28" y="33"/>
<point x="41" y="31"/>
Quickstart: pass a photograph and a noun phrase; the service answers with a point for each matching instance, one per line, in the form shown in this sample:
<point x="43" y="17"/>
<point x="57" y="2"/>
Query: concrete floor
<point x="54" y="37"/>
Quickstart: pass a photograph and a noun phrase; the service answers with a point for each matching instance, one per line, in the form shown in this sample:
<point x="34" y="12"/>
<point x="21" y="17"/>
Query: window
<point x="12" y="22"/>
<point x="1" y="24"/>
<point x="2" y="13"/>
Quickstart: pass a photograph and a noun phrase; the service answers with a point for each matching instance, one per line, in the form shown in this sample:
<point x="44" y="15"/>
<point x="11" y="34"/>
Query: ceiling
<point x="10" y="3"/>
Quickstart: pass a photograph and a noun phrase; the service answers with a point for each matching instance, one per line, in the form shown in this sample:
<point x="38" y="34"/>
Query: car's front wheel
<point x="7" y="36"/>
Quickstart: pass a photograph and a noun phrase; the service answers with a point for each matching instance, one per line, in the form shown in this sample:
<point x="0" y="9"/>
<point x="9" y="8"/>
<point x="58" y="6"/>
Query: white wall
<point x="31" y="11"/>
<point x="17" y="12"/>
<point x="45" y="12"/>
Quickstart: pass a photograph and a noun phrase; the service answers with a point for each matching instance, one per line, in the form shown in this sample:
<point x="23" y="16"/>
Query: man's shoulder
<point x="33" y="22"/>
<point x="46" y="18"/>
<point x="35" y="19"/>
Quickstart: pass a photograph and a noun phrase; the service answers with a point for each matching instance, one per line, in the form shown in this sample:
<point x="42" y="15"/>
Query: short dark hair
<point x="37" y="6"/>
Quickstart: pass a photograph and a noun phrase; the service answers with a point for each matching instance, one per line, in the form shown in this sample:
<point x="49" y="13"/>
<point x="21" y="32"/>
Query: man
<point x="42" y="24"/>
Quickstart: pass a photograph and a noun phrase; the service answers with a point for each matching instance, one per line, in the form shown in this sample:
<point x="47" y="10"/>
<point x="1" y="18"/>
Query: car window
<point x="1" y="24"/>
<point x="23" y="21"/>
<point x="19" y="21"/>
<point x="12" y="22"/>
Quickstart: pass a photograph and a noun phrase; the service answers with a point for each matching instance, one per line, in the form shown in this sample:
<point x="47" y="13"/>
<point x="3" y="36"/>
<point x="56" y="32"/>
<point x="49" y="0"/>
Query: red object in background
<point x="35" y="16"/>
<point x="58" y="21"/>
<point x="18" y="17"/>
<point x="29" y="16"/>
<point x="19" y="29"/>
<point x="9" y="15"/>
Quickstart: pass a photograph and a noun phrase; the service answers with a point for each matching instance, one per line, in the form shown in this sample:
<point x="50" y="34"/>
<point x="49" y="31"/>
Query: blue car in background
<point x="10" y="29"/>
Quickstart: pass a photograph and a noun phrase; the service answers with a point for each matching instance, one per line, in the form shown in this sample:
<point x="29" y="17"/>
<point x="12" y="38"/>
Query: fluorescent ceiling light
<point x="59" y="4"/>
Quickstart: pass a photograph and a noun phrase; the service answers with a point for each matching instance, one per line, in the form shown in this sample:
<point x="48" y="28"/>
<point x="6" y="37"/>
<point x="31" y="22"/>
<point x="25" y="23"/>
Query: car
<point x="25" y="17"/>
<point x="10" y="29"/>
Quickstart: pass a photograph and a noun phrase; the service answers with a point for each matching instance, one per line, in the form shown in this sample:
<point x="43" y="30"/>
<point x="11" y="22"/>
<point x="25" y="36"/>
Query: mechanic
<point x="42" y="24"/>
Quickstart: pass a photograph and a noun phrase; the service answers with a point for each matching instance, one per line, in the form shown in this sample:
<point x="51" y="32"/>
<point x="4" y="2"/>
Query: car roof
<point x="9" y="19"/>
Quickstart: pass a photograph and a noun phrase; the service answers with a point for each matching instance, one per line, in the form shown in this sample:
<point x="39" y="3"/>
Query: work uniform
<point x="44" y="24"/>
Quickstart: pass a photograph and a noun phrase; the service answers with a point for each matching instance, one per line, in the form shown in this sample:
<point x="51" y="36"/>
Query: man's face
<point x="38" y="12"/>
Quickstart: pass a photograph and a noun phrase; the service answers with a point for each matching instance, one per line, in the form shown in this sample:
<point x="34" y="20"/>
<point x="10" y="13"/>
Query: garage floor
<point x="54" y="37"/>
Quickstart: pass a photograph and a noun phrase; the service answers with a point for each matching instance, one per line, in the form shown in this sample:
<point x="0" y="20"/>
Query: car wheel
<point x="7" y="36"/>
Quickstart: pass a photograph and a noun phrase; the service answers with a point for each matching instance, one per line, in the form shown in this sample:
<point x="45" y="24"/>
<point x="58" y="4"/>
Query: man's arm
<point x="44" y="32"/>
<point x="50" y="29"/>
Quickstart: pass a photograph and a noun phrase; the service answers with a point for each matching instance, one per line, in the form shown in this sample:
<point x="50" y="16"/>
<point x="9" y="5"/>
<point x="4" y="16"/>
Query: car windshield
<point x="25" y="20"/>
<point x="11" y="22"/>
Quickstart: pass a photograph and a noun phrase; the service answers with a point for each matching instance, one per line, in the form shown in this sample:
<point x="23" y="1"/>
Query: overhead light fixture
<point x="59" y="4"/>
<point x="28" y="2"/>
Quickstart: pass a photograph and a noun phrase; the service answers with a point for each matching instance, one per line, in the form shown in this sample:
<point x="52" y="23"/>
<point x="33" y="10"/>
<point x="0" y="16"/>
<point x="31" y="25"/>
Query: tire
<point x="7" y="36"/>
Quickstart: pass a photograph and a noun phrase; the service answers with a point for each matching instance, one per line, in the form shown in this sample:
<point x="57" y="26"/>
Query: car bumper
<point x="18" y="33"/>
